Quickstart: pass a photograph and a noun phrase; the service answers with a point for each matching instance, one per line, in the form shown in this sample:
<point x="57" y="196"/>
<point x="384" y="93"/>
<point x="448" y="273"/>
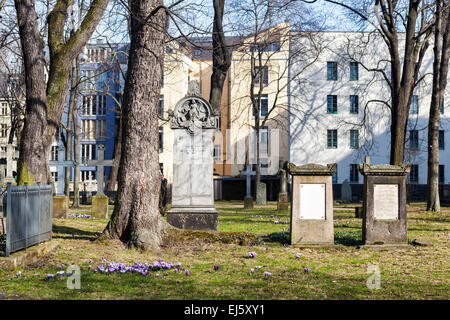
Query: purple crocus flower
<point x="267" y="274"/>
<point x="50" y="276"/>
<point x="306" y="269"/>
<point x="187" y="272"/>
<point x="252" y="254"/>
<point x="216" y="268"/>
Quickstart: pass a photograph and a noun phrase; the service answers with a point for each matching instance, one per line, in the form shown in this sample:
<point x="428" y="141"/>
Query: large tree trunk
<point x="73" y="101"/>
<point x="33" y="159"/>
<point x="440" y="70"/>
<point x="45" y="104"/>
<point x="221" y="57"/>
<point x="136" y="219"/>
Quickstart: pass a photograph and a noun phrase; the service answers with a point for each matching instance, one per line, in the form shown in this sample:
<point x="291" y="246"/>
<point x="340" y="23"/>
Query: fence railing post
<point x="39" y="213"/>
<point x="8" y="219"/>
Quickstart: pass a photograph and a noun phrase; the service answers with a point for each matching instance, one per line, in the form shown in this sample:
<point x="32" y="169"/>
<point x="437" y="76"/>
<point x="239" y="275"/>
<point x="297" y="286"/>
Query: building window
<point x="335" y="176"/>
<point x="441" y="174"/>
<point x="354" y="104"/>
<point x="54" y="153"/>
<point x="354" y="175"/>
<point x="331" y="70"/>
<point x="414" y="139"/>
<point x="161" y="106"/>
<point x="354" y="73"/>
<point x="87" y="175"/>
<point x="161" y="139"/>
<point x="332" y="139"/>
<point x="263" y="107"/>
<point x="261" y="73"/>
<point x="88" y="152"/>
<point x="3" y="130"/>
<point x="101" y="104"/>
<point x="87" y="78"/>
<point x="54" y="176"/>
<point x="217" y="153"/>
<point x="441" y="140"/>
<point x="442" y="106"/>
<point x="264" y="140"/>
<point x="354" y="139"/>
<point x="4" y="109"/>
<point x="101" y="129"/>
<point x="89" y="107"/>
<point x="414" y="108"/>
<point x="162" y="77"/>
<point x="331" y="104"/>
<point x="88" y="129"/>
<point x="414" y="174"/>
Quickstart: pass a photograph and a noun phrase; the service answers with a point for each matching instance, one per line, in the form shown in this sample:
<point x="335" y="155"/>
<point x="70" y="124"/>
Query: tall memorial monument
<point x="194" y="126"/>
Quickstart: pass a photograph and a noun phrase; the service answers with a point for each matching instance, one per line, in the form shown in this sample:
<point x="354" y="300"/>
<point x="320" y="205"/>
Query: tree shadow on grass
<point x="63" y="232"/>
<point x="346" y="238"/>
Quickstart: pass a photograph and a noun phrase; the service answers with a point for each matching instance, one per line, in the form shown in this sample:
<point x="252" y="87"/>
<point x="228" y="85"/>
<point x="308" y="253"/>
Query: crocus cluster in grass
<point x="252" y="254"/>
<point x="78" y="215"/>
<point x="142" y="268"/>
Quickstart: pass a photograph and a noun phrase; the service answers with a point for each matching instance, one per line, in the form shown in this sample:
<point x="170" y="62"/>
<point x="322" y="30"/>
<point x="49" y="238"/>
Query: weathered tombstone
<point x="283" y="200"/>
<point x="194" y="127"/>
<point x="261" y="193"/>
<point x="384" y="207"/>
<point x="10" y="155"/>
<point x="60" y="201"/>
<point x="100" y="201"/>
<point x="248" y="200"/>
<point x="346" y="191"/>
<point x="312" y="205"/>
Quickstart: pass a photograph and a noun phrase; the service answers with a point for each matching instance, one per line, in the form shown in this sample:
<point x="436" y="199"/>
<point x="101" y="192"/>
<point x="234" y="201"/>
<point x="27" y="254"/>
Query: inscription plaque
<point x="312" y="201"/>
<point x="385" y="205"/>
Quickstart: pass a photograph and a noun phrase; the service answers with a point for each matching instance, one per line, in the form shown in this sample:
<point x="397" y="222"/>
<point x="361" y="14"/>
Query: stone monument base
<point x="261" y="193"/>
<point x="100" y="206"/>
<point x="314" y="245"/>
<point x="386" y="246"/>
<point x="283" y="201"/>
<point x="60" y="206"/>
<point x="248" y="203"/>
<point x="193" y="218"/>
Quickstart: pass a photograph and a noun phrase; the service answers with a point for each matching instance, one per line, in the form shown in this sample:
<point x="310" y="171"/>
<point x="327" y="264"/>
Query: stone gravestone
<point x="346" y="191"/>
<point x="261" y="193"/>
<point x="384" y="206"/>
<point x="283" y="200"/>
<point x="10" y="155"/>
<point x="100" y="201"/>
<point x="60" y="200"/>
<point x="248" y="200"/>
<point x="312" y="205"/>
<point x="194" y="127"/>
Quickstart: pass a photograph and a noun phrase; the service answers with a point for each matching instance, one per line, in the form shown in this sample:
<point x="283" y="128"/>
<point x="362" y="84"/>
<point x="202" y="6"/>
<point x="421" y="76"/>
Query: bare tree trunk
<point x="221" y="57"/>
<point x="33" y="164"/>
<point x="76" y="142"/>
<point x="46" y="103"/>
<point x="440" y="70"/>
<point x="73" y="100"/>
<point x="136" y="219"/>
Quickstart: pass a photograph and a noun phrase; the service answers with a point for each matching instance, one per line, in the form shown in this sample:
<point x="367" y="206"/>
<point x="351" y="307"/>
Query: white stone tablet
<point x="312" y="201"/>
<point x="385" y="198"/>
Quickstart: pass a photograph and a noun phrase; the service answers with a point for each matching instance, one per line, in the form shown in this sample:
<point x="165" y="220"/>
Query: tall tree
<point x="441" y="51"/>
<point x="46" y="100"/>
<point x="221" y="56"/>
<point x="136" y="219"/>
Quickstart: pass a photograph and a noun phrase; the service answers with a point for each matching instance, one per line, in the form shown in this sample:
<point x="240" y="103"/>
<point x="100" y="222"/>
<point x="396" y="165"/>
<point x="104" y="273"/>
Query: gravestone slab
<point x="194" y="128"/>
<point x="248" y="173"/>
<point x="60" y="206"/>
<point x="312" y="205"/>
<point x="346" y="191"/>
<point x="384" y="207"/>
<point x="261" y="193"/>
<point x="100" y="206"/>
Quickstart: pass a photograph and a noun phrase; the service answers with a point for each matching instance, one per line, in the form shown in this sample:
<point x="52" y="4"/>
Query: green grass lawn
<point x="334" y="273"/>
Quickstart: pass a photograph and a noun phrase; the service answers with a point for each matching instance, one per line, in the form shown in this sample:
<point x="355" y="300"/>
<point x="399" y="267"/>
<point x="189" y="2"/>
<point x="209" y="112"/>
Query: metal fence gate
<point x="28" y="211"/>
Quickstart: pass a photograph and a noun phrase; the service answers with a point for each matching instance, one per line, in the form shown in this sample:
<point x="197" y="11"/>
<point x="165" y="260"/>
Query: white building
<point x="338" y="112"/>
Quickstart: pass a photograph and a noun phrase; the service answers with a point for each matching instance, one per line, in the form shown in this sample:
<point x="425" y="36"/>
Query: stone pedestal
<point x="312" y="205"/>
<point x="60" y="206"/>
<point x="193" y="165"/>
<point x="99" y="207"/>
<point x="248" y="203"/>
<point x="384" y="212"/>
<point x="283" y="201"/>
<point x="261" y="193"/>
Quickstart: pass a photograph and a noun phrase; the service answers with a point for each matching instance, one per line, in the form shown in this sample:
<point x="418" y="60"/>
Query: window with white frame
<point x="101" y="129"/>
<point x="87" y="129"/>
<point x="88" y="152"/>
